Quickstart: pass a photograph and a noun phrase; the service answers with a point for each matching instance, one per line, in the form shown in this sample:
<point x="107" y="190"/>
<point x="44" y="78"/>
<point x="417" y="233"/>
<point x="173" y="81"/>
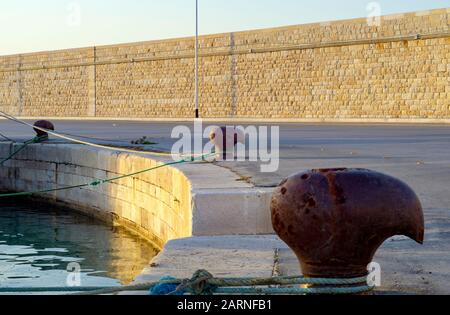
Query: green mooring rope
<point x="105" y="181"/>
<point x="203" y="283"/>
<point x="23" y="146"/>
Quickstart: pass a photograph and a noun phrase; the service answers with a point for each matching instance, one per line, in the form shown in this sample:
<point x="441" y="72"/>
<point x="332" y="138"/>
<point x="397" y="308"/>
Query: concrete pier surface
<point x="416" y="154"/>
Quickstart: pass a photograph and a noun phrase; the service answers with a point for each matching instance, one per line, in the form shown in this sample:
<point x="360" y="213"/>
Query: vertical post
<point x="95" y="81"/>
<point x="20" y="87"/>
<point x="92" y="85"/>
<point x="196" y="62"/>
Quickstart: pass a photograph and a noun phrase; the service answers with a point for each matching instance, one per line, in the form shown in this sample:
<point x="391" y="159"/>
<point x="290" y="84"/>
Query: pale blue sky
<point x="35" y="25"/>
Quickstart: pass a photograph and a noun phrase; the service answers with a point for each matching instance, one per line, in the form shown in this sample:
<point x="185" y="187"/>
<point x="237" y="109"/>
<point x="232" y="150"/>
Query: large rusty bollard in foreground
<point x="44" y="124"/>
<point x="336" y="219"/>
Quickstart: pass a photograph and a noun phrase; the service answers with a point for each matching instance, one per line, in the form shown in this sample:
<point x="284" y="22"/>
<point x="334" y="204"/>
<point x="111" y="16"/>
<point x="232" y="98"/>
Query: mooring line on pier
<point x="109" y="180"/>
<point x="192" y="158"/>
<point x="204" y="283"/>
<point x="5" y="137"/>
<point x="58" y="135"/>
<point x="22" y="147"/>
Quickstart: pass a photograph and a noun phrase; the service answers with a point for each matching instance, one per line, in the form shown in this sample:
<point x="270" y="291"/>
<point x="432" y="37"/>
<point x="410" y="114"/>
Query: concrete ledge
<point x="231" y="212"/>
<point x="224" y="256"/>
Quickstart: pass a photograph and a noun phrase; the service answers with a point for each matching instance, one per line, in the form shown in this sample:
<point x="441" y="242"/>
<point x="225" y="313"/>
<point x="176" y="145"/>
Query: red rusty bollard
<point x="44" y="124"/>
<point x="336" y="219"/>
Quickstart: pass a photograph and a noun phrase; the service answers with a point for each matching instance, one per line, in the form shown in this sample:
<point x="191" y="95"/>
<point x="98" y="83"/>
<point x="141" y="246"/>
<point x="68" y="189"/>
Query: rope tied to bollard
<point x="45" y="132"/>
<point x="74" y="140"/>
<point x="199" y="284"/>
<point x="204" y="283"/>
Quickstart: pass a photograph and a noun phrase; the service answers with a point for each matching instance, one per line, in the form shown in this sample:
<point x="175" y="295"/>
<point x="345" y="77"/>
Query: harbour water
<point x="44" y="247"/>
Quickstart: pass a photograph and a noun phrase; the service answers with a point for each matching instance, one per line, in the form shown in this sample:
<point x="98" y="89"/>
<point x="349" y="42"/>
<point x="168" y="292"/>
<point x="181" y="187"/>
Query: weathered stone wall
<point x="336" y="70"/>
<point x="37" y="86"/>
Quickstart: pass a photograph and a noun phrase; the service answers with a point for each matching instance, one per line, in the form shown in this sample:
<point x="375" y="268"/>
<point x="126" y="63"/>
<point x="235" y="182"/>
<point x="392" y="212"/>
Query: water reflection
<point x="36" y="246"/>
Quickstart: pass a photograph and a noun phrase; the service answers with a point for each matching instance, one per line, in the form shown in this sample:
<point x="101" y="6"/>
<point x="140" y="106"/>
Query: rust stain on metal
<point x="336" y="219"/>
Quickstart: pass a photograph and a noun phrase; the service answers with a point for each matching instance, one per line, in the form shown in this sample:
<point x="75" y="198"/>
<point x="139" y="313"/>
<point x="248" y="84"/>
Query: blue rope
<point x="165" y="288"/>
<point x="203" y="283"/>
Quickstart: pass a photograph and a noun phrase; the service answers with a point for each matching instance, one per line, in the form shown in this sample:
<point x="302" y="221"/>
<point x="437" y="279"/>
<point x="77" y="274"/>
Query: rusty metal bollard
<point x="225" y="140"/>
<point x="44" y="124"/>
<point x="336" y="219"/>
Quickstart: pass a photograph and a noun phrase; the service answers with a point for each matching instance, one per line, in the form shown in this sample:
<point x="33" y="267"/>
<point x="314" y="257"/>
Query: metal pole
<point x="196" y="62"/>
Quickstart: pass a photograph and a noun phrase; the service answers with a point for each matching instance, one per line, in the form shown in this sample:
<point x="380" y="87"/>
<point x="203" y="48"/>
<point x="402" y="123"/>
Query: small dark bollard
<point x="336" y="219"/>
<point x="44" y="124"/>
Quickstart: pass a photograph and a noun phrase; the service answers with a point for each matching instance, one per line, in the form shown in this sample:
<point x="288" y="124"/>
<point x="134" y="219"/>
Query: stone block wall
<point x="334" y="70"/>
<point x="157" y="204"/>
<point x="161" y="205"/>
